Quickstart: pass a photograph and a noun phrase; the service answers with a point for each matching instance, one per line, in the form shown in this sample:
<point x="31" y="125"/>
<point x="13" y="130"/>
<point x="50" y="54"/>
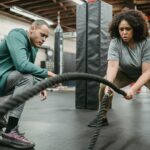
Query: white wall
<point x="8" y="23"/>
<point x="70" y="45"/>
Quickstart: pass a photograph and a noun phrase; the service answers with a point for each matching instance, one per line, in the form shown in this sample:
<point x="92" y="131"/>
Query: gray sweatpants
<point x="16" y="83"/>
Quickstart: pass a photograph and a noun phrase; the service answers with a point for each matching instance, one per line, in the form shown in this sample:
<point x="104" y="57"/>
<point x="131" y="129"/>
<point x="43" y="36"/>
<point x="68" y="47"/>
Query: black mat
<point x="55" y="124"/>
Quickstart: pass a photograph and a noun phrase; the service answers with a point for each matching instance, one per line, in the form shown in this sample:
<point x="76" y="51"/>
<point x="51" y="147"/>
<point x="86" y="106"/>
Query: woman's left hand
<point x="130" y="94"/>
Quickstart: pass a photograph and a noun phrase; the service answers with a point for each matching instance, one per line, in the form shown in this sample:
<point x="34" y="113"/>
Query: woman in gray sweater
<point x="128" y="55"/>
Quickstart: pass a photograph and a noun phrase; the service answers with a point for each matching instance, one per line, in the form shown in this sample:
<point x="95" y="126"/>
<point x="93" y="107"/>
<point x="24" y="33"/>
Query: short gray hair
<point x="40" y="23"/>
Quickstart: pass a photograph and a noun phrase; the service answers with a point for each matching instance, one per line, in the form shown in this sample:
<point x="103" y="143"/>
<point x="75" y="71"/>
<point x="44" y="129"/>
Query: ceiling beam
<point x="66" y="28"/>
<point x="65" y="5"/>
<point x="54" y="17"/>
<point x="117" y="9"/>
<point x="32" y="7"/>
<point x="51" y="10"/>
<point x="10" y="1"/>
<point x="65" y="19"/>
<point x="139" y="2"/>
<point x="69" y="23"/>
<point x="71" y="20"/>
<point x="55" y="1"/>
<point x="144" y="6"/>
<point x="130" y="4"/>
<point x="7" y="2"/>
<point x="114" y="2"/>
<point x="5" y="6"/>
<point x="62" y="17"/>
<point x="27" y="3"/>
<point x="119" y="6"/>
<point x="16" y="17"/>
<point x="54" y="12"/>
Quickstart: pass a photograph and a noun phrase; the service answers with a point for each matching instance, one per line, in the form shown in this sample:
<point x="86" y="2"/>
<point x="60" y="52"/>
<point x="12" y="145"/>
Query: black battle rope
<point x="30" y="92"/>
<point x="99" y="118"/>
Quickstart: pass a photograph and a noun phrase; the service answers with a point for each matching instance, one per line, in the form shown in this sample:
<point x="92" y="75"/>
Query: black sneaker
<point x="3" y="121"/>
<point x="93" y="123"/>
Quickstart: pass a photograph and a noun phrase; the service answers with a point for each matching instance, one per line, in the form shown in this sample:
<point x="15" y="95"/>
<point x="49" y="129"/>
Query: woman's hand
<point x="108" y="90"/>
<point x="130" y="94"/>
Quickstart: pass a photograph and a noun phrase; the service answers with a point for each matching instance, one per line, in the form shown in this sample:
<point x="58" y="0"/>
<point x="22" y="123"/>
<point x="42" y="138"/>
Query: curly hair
<point x="135" y="19"/>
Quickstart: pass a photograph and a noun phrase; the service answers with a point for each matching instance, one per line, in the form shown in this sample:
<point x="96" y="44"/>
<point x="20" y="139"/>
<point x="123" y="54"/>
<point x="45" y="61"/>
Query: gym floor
<point x="55" y="124"/>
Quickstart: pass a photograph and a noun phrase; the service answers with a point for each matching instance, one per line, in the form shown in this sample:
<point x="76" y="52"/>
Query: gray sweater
<point x="130" y="60"/>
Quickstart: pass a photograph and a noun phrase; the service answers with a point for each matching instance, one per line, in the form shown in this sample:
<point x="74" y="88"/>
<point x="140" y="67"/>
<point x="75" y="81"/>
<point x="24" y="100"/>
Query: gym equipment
<point x="30" y="92"/>
<point x="93" y="19"/>
<point x="58" y="48"/>
<point x="99" y="117"/>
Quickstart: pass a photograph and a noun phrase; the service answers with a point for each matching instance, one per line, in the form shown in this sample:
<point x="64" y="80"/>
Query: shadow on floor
<point x="55" y="124"/>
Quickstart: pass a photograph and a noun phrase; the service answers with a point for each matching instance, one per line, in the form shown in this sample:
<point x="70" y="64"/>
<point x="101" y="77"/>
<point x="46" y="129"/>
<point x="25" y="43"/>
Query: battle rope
<point x="30" y="92"/>
<point x="99" y="119"/>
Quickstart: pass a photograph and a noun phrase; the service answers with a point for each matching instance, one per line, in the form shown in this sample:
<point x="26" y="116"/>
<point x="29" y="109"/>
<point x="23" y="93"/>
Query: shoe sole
<point x="13" y="144"/>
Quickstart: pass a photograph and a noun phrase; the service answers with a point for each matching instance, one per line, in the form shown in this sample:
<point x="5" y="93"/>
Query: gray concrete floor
<point x="55" y="124"/>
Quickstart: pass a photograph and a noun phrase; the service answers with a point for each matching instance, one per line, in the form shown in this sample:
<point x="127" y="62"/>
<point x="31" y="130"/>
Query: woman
<point x="128" y="55"/>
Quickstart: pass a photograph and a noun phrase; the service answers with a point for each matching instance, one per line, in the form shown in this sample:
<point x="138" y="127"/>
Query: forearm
<point x="111" y="74"/>
<point x="112" y="70"/>
<point x="145" y="77"/>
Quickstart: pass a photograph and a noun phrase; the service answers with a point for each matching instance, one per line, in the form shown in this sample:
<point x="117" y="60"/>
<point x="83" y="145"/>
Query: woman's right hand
<point x="108" y="90"/>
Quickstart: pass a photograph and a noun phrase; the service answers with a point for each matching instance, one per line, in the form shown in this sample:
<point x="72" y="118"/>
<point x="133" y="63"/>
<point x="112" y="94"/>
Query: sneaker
<point x="16" y="139"/>
<point x="3" y="121"/>
<point x="93" y="123"/>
